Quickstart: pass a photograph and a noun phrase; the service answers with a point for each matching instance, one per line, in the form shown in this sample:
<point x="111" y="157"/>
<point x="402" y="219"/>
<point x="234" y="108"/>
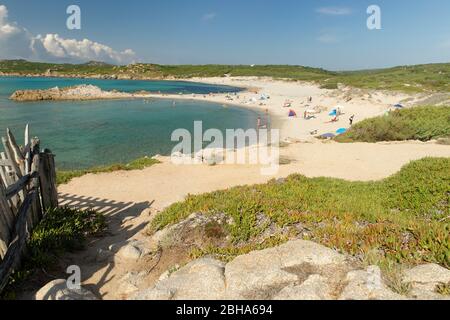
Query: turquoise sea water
<point x="91" y="133"/>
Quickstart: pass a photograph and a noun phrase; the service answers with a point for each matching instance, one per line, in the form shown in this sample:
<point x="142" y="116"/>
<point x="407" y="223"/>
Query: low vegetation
<point x="443" y="288"/>
<point x="63" y="177"/>
<point x="417" y="78"/>
<point x="62" y="230"/>
<point x="403" y="219"/>
<point x="421" y="123"/>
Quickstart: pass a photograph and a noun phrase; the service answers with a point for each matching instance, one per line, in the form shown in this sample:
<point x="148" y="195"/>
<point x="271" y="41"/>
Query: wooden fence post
<point x="13" y="256"/>
<point x="47" y="177"/>
<point x="6" y="222"/>
<point x="22" y="176"/>
<point x="36" y="208"/>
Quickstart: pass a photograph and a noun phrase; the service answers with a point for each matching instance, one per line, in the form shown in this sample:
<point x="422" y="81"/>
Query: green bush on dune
<point x="420" y="123"/>
<point x="401" y="219"/>
<point x="61" y="230"/>
<point x="63" y="177"/>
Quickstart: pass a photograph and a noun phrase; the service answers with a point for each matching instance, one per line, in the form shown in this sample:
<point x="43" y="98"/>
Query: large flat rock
<point x="260" y="274"/>
<point x="201" y="279"/>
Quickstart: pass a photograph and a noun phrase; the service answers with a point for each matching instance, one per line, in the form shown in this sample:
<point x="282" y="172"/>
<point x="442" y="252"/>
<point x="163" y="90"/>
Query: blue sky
<point x="322" y="33"/>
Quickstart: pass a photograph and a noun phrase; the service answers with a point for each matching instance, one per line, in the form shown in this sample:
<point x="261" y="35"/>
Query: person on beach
<point x="351" y="120"/>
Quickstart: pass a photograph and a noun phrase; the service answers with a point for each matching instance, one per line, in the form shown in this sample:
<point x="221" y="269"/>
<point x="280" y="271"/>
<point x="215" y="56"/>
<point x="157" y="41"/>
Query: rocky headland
<point x="81" y="92"/>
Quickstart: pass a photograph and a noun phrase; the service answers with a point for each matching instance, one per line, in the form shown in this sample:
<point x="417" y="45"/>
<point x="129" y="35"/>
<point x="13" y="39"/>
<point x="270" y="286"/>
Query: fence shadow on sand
<point x="120" y="228"/>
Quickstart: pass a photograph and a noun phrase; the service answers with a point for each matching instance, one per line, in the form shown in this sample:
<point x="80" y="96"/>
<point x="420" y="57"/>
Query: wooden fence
<point x="27" y="191"/>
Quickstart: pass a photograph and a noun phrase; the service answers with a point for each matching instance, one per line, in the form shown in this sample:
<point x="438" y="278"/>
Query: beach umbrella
<point x="341" y="131"/>
<point x="328" y="135"/>
<point x="333" y="113"/>
<point x="292" y="113"/>
<point x="398" y="106"/>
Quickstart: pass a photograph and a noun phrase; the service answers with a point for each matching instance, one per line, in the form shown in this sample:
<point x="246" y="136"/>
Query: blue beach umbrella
<point x="341" y="131"/>
<point x="333" y="113"/>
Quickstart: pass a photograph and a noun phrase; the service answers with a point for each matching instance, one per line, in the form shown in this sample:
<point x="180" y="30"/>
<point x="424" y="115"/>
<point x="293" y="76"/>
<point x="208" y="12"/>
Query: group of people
<point x="307" y="115"/>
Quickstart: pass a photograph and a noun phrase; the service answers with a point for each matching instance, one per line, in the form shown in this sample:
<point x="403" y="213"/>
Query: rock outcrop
<point x="297" y="270"/>
<point x="261" y="274"/>
<point x="81" y="92"/>
<point x="425" y="279"/>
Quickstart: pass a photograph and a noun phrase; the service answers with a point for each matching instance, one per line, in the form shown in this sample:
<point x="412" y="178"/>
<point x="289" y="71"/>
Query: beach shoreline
<point x="362" y="104"/>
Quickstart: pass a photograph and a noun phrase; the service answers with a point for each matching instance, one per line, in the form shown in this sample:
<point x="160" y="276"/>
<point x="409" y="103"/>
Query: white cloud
<point x="85" y="49"/>
<point x="14" y="40"/>
<point x="335" y="11"/>
<point x="17" y="42"/>
<point x="209" y="16"/>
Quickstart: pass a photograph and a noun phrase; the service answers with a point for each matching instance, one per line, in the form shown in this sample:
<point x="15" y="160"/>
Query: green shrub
<point x="63" y="177"/>
<point x="420" y="123"/>
<point x="61" y="230"/>
<point x="329" y="85"/>
<point x="401" y="218"/>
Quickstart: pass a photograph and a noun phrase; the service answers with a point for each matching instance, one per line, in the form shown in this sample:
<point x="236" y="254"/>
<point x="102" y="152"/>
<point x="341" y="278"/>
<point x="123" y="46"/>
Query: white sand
<point x="363" y="104"/>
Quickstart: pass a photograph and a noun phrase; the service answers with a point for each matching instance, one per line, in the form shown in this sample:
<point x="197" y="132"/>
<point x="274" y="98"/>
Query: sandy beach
<point x="362" y="104"/>
<point x="304" y="153"/>
<point x="130" y="199"/>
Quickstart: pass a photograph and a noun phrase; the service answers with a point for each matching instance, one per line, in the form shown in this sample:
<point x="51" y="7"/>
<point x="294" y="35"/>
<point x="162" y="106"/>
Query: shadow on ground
<point x="124" y="221"/>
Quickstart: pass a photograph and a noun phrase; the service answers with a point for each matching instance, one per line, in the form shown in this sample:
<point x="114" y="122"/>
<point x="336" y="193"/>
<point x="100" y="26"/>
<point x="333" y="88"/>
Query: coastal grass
<point x="61" y="230"/>
<point x="63" y="177"/>
<point x="403" y="219"/>
<point x="411" y="79"/>
<point x="420" y="123"/>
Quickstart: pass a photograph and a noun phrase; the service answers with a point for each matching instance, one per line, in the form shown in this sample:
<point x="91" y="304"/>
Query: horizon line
<point x="225" y="64"/>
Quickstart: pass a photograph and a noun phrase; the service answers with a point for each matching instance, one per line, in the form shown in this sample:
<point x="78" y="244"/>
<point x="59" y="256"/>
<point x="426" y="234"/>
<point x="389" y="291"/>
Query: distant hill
<point x="96" y="64"/>
<point x="416" y="78"/>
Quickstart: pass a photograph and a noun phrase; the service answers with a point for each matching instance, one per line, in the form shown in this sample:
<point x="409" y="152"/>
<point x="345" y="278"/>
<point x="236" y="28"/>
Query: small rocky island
<point x="81" y="92"/>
